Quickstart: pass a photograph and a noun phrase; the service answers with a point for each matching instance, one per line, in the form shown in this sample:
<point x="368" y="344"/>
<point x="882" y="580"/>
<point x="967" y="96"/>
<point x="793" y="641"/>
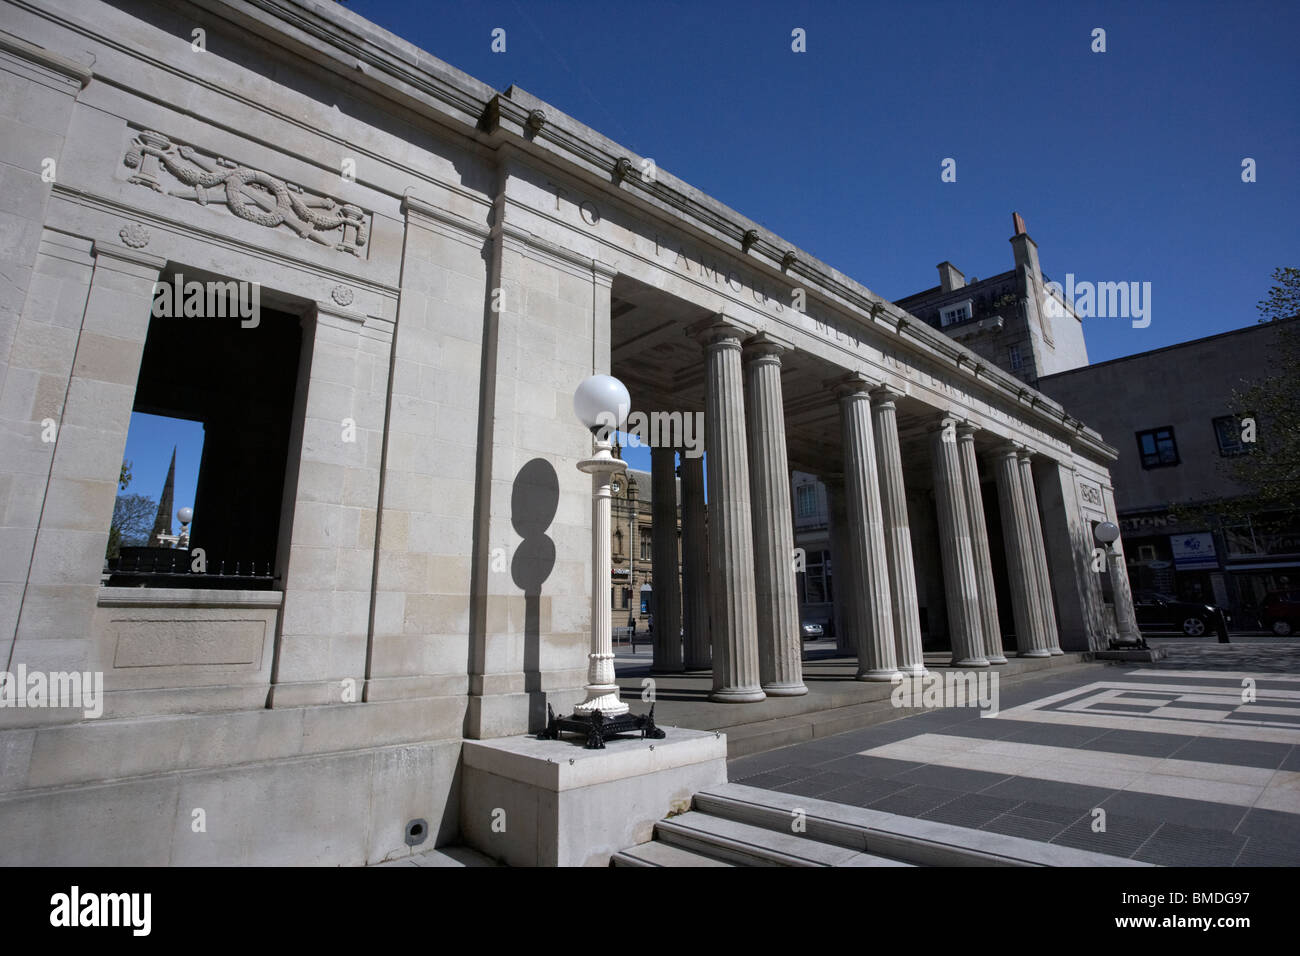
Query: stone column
<point x="841" y="587"/>
<point x="663" y="549"/>
<point x="695" y="565"/>
<point x="731" y="533"/>
<point x="898" y="532"/>
<point x="868" y="564"/>
<point x="1047" y="606"/>
<point x="780" y="648"/>
<point x="960" y="587"/>
<point x="979" y="539"/>
<point x="1015" y="532"/>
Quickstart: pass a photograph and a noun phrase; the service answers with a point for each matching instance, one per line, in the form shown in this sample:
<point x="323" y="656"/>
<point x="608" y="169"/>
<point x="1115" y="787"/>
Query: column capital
<point x="943" y="420"/>
<point x="766" y="344"/>
<point x="966" y="431"/>
<point x="1007" y="449"/>
<point x="1024" y="453"/>
<point x="720" y="329"/>
<point x="885" y="395"/>
<point x="851" y="385"/>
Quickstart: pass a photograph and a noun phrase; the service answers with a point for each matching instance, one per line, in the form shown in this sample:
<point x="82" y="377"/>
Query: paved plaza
<point x="1187" y="774"/>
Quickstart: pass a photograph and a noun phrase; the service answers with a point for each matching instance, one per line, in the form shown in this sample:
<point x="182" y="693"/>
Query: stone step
<point x="656" y="853"/>
<point x="744" y="844"/>
<point x="857" y="830"/>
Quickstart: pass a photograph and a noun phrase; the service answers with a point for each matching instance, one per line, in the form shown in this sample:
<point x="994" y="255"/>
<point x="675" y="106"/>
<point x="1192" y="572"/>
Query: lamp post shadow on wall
<point x="601" y="403"/>
<point x="534" y="499"/>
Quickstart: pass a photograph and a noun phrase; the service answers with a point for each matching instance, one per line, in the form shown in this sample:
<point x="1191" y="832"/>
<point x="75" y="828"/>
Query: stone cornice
<point x="51" y="61"/>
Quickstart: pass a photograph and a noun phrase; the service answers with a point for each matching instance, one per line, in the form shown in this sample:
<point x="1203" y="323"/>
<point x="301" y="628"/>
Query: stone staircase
<point x="736" y="825"/>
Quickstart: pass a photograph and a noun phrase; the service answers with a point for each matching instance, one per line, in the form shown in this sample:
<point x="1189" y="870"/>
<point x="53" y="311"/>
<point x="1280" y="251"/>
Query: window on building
<point x="1013" y="355"/>
<point x="805" y="501"/>
<point x="618" y="542"/>
<point x="1157" y="447"/>
<point x="232" y="473"/>
<point x="645" y="543"/>
<point x="627" y="598"/>
<point x="1228" y="432"/>
<point x="955" y="313"/>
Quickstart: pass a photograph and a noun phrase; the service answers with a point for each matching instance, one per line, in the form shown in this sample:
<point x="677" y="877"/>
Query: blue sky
<point x="1126" y="164"/>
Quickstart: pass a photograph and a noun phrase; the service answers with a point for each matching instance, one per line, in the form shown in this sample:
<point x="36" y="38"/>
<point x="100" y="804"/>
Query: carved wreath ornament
<point x="248" y="193"/>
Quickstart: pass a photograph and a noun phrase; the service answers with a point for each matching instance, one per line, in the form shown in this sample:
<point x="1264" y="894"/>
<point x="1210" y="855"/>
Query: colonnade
<point x="739" y="603"/>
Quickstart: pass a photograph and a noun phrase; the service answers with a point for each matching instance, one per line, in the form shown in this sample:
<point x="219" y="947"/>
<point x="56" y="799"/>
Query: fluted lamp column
<point x="601" y="403"/>
<point x="1107" y="533"/>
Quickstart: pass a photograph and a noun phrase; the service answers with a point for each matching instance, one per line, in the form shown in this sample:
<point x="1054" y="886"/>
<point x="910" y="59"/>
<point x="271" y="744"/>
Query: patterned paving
<point x="1191" y="761"/>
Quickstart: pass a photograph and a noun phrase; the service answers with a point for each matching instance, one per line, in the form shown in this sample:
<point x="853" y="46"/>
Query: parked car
<point x="1281" y="612"/>
<point x="812" y="631"/>
<point x="1164" y="612"/>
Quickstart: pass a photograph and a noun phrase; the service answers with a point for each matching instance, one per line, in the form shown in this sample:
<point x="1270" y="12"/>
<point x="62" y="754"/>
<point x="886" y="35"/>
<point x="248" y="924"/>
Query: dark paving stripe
<point x="1240" y="753"/>
<point x="1122" y="836"/>
<point x="915" y="800"/>
<point x="1262" y="852"/>
<point x="1178" y="845"/>
<point x="770" y="778"/>
<point x="1136" y="743"/>
<point x="1052" y="812"/>
<point x="815" y="785"/>
<point x="1292" y="762"/>
<point x="1273" y="826"/>
<point x="1176" y="810"/>
<point x="1226" y="707"/>
<point x="1051" y="791"/>
<point x="864" y="792"/>
<point x="1027" y="827"/>
<point x="875" y="768"/>
<point x="972" y="811"/>
<point x="1112" y="705"/>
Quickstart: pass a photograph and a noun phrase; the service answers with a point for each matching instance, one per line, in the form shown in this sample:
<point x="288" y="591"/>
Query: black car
<point x="1164" y="612"/>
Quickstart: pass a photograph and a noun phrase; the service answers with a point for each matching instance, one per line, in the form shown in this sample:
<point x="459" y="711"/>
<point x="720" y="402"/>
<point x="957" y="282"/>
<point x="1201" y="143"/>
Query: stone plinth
<point x="529" y="802"/>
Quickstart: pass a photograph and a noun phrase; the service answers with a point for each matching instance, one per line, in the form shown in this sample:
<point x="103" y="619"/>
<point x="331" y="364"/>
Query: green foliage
<point x="133" y="517"/>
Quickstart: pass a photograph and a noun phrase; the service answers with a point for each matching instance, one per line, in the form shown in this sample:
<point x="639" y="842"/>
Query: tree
<point x="1267" y="407"/>
<point x="132" y="516"/>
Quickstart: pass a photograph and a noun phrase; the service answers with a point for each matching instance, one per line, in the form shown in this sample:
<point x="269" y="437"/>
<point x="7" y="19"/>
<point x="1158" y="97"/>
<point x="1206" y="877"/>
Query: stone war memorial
<point x="378" y="283"/>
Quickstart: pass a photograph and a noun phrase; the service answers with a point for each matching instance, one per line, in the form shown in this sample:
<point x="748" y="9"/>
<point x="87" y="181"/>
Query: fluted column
<point x="695" y="565"/>
<point x="959" y="583"/>
<point x="841" y="580"/>
<point x="1015" y="535"/>
<point x="1046" y="604"/>
<point x="731" y="530"/>
<point x="663" y="549"/>
<point x="868" y="564"/>
<point x="979" y="542"/>
<point x="898" y="533"/>
<point x="780" y="647"/>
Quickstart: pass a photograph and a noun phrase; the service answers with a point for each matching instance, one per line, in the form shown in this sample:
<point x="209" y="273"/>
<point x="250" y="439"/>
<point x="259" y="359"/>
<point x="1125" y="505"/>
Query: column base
<point x="879" y="674"/>
<point x="1056" y="651"/>
<point x="913" y="670"/>
<point x="970" y="662"/>
<point x="738" y="695"/>
<point x="1035" y="653"/>
<point x="997" y="660"/>
<point x="785" y="690"/>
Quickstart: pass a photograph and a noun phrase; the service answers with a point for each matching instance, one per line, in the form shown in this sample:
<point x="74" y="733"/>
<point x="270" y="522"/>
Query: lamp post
<point x="601" y="403"/>
<point x="184" y="516"/>
<point x="1126" y="627"/>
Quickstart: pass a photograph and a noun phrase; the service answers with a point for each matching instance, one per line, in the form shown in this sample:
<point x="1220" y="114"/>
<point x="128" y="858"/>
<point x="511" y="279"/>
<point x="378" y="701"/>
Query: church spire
<point x="162" y="524"/>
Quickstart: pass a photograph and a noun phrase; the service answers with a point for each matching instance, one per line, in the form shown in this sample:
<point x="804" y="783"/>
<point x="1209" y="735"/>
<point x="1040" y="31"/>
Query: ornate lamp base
<point x="598" y="728"/>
